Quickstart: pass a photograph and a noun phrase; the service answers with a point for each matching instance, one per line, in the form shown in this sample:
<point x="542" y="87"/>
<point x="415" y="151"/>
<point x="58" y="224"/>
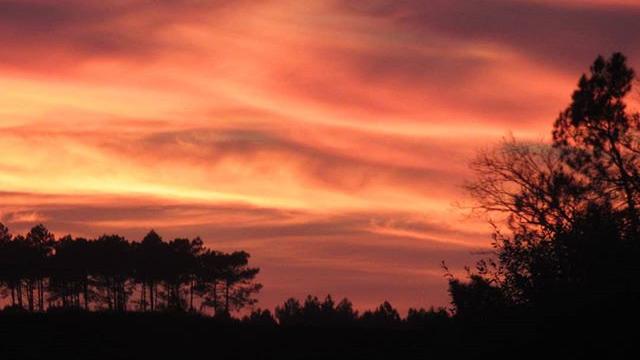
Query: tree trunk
<point x="215" y="298"/>
<point x="109" y="297"/>
<point x="86" y="294"/>
<point x="191" y="295"/>
<point x="226" y="297"/>
<point x="41" y="294"/>
<point x="30" y="295"/>
<point x="123" y="295"/>
<point x="152" y="300"/>
<point x="19" y="289"/>
<point x="143" y="297"/>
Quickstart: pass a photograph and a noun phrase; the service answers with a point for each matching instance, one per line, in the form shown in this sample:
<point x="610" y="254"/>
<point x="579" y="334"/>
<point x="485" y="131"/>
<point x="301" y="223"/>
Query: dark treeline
<point x="327" y="313"/>
<point x="39" y="272"/>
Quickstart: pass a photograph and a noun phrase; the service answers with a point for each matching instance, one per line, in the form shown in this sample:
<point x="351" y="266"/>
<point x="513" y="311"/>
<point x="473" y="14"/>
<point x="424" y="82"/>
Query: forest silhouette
<point x="562" y="279"/>
<point x="40" y="273"/>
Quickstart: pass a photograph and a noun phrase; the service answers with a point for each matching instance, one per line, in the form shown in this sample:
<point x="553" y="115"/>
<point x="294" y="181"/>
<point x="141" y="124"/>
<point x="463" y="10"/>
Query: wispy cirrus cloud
<point x="75" y="31"/>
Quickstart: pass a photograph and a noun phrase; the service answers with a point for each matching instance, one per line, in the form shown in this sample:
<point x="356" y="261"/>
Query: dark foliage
<point x="313" y="313"/>
<point x="570" y="245"/>
<point x="40" y="273"/>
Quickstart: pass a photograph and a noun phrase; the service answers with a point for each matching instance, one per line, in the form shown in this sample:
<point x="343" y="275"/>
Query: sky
<point x="329" y="139"/>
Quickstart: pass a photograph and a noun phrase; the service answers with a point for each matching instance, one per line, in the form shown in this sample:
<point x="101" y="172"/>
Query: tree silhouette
<point x="314" y="313"/>
<point x="598" y="138"/>
<point x="8" y="266"/>
<point x="38" y="242"/>
<point x="41" y="273"/>
<point x="290" y="313"/>
<point x="262" y="318"/>
<point x="113" y="271"/>
<point x="571" y="239"/>
<point x="433" y="319"/>
<point x="225" y="281"/>
<point x="69" y="273"/>
<point x="385" y="316"/>
<point x="149" y="257"/>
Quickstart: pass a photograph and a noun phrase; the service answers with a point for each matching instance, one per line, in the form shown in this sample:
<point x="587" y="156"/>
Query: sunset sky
<point x="329" y="139"/>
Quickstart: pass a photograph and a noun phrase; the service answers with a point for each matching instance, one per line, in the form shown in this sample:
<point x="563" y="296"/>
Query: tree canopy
<point x="570" y="236"/>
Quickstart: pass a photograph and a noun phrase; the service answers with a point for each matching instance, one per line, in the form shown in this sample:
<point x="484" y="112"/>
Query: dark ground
<point x="180" y="336"/>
